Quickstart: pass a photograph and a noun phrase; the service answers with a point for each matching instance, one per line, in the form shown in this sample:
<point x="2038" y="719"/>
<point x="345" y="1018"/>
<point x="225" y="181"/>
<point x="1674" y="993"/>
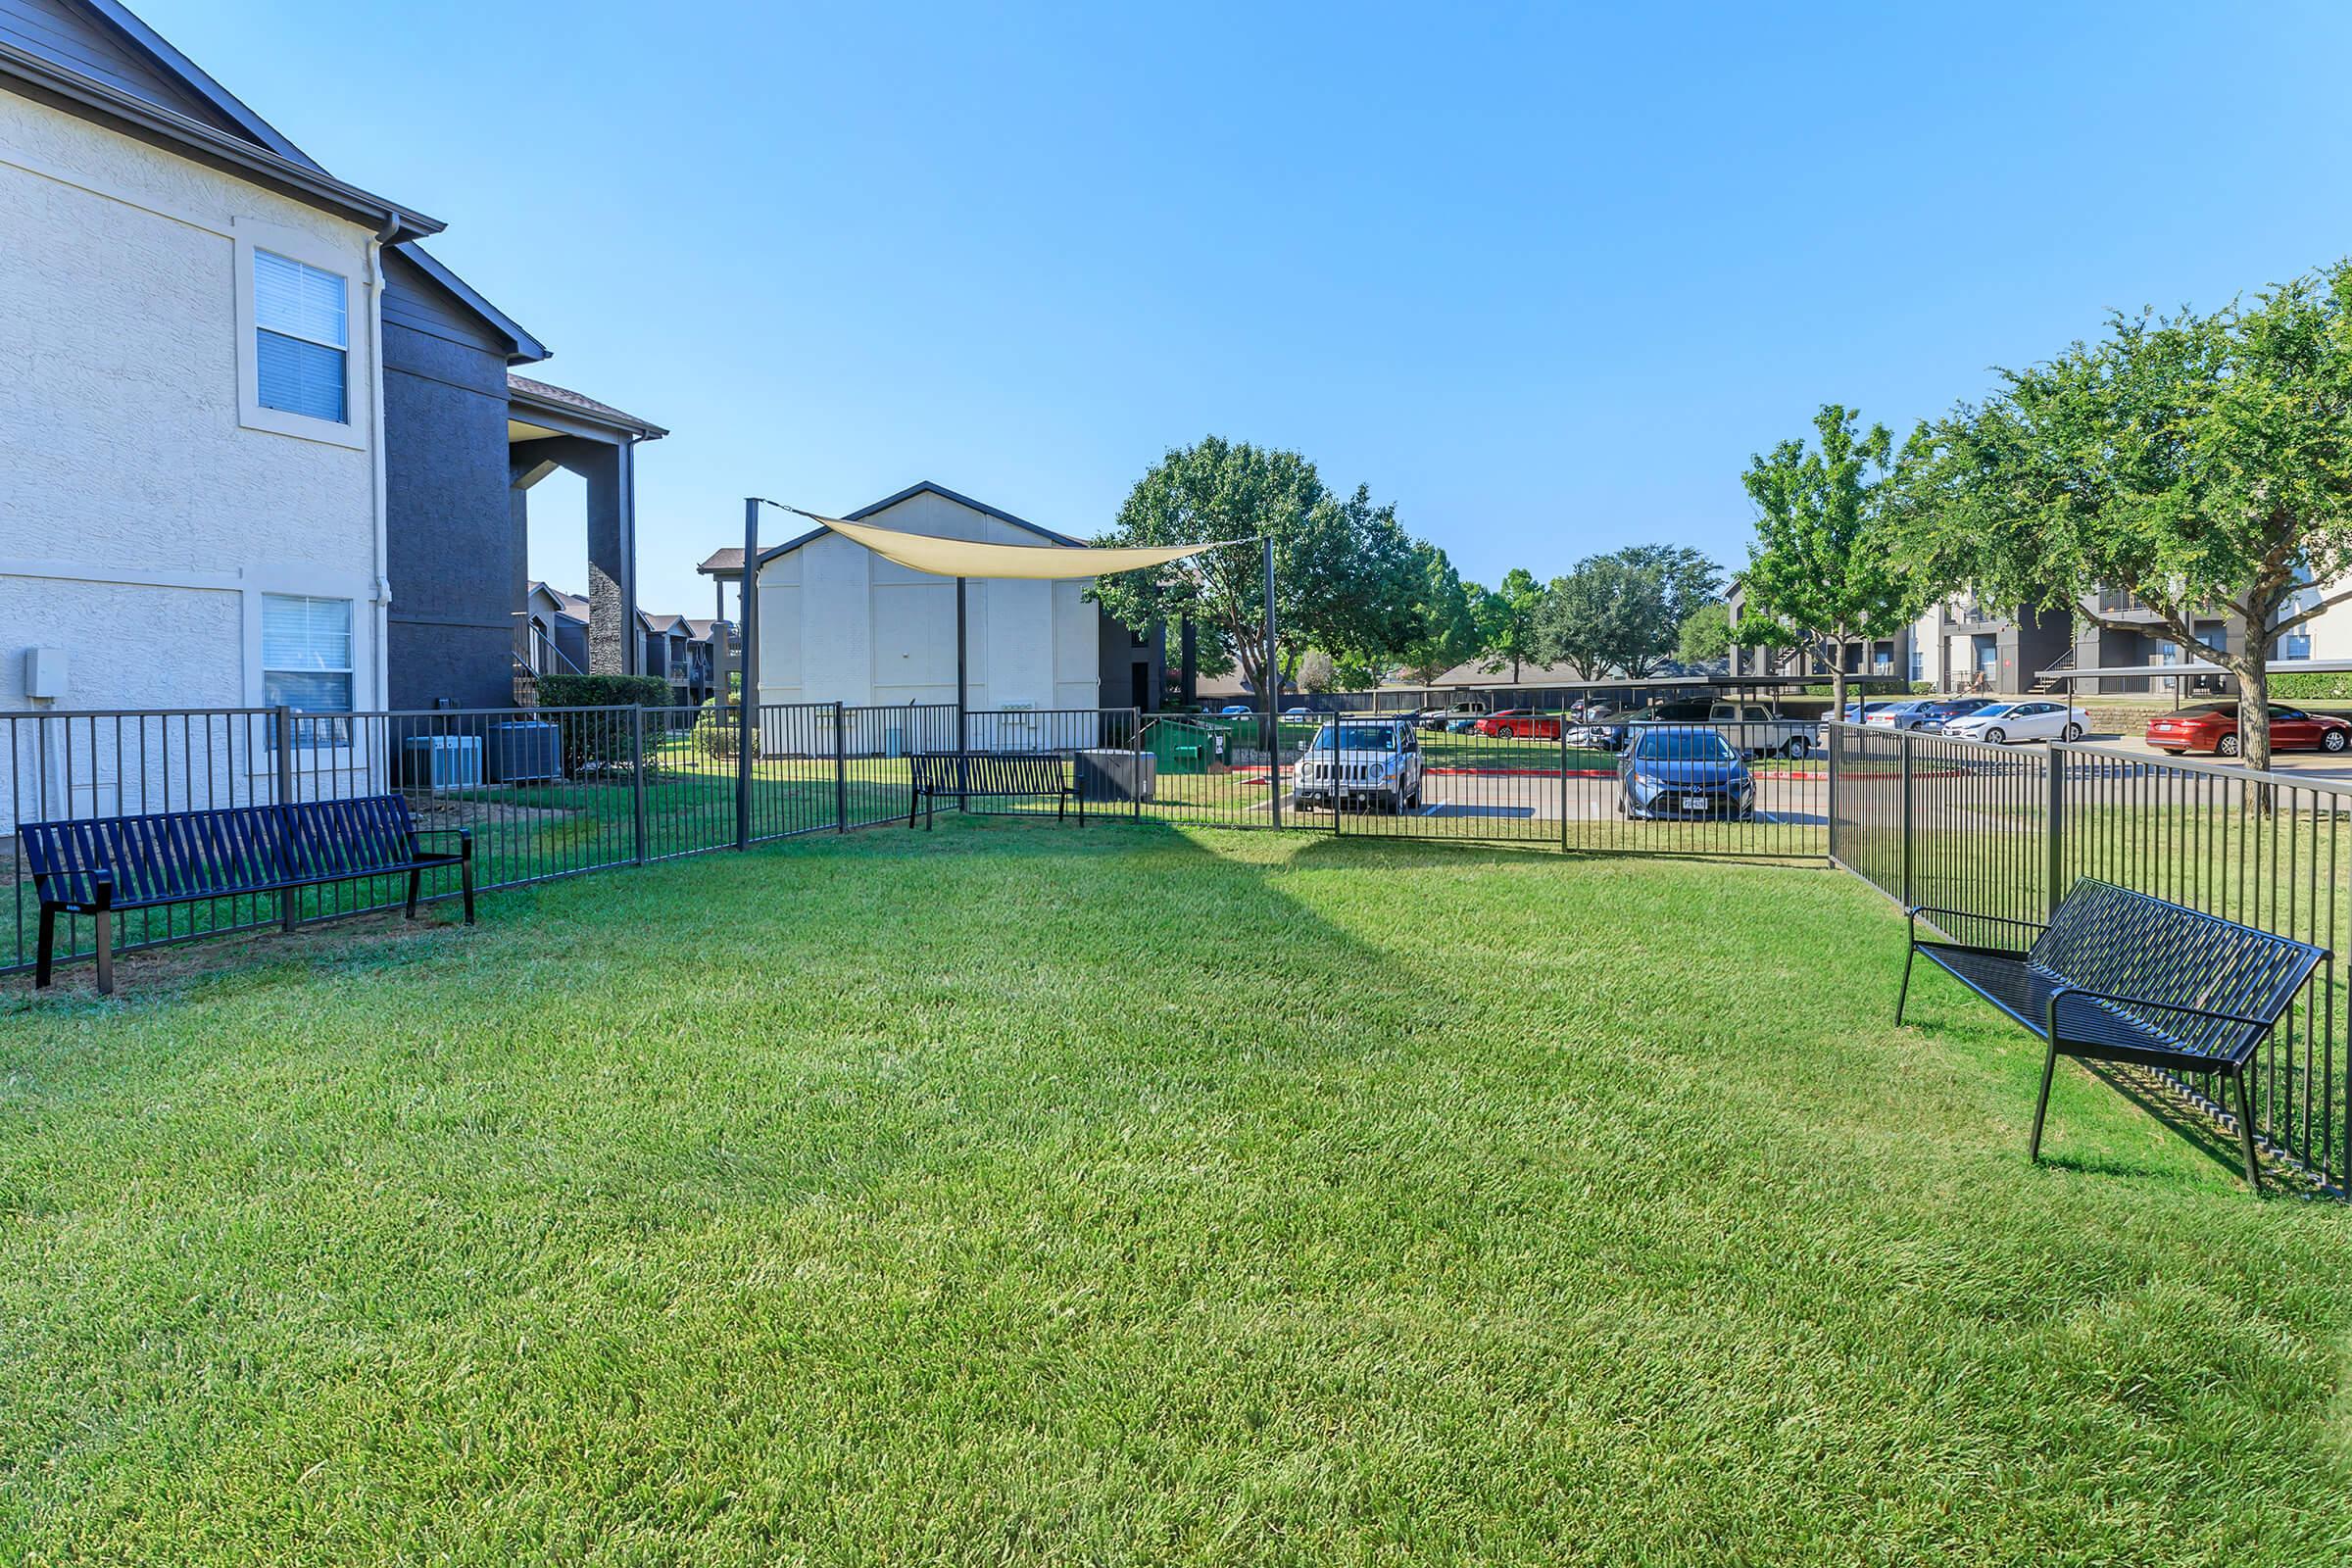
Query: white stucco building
<point x="839" y="624"/>
<point x="190" y="423"/>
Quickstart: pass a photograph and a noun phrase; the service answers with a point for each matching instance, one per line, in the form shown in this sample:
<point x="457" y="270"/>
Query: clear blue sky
<point x="1545" y="279"/>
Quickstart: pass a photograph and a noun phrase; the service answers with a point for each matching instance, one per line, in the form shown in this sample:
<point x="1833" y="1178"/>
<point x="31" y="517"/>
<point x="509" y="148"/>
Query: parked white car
<point x="1370" y="764"/>
<point x="2034" y="719"/>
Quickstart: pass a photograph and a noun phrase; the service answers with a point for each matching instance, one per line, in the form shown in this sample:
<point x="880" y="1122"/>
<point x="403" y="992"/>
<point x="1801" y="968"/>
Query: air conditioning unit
<point x="525" y="752"/>
<point x="439" y="762"/>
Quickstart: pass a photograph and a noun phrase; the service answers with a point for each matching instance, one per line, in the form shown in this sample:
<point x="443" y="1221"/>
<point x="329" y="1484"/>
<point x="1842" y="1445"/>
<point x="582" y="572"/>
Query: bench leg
<point x="2245" y="1131"/>
<point x="1904" y="995"/>
<point x="103" y="924"/>
<point x="415" y="885"/>
<point x="2041" y="1106"/>
<point x="465" y="883"/>
<point x="914" y="800"/>
<point x="45" y="955"/>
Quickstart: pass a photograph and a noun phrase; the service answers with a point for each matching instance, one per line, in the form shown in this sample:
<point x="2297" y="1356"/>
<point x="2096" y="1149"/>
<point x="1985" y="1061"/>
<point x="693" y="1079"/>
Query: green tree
<point x="1344" y="569"/>
<point x="1623" y="611"/>
<point x="1825" y="564"/>
<point x="1506" y="621"/>
<point x="2202" y="462"/>
<point x="1446" y="627"/>
<point x="1705" y="635"/>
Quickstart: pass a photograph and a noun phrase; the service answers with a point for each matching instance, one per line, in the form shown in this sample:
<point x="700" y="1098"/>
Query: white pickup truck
<point x="1758" y="731"/>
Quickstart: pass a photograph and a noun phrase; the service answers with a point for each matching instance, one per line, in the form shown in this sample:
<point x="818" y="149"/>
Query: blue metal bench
<point x="2120" y="976"/>
<point x="989" y="773"/>
<point x="103" y="865"/>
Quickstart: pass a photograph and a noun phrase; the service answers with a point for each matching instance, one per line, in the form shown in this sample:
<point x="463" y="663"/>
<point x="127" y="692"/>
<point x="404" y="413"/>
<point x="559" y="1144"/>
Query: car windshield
<point x="1357" y="738"/>
<point x="1684" y="746"/>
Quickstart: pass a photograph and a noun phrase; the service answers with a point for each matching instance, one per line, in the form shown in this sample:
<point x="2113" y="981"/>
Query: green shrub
<point x="598" y="741"/>
<point x="603" y="690"/>
<point x="2313" y="688"/>
<point x="714" y="731"/>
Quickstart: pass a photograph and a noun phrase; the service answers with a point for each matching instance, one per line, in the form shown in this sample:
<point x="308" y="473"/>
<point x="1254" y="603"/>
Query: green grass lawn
<point x="1133" y="1194"/>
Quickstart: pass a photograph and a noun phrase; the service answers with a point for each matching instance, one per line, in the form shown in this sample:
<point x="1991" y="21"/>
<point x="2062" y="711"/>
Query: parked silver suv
<point x="1363" y="764"/>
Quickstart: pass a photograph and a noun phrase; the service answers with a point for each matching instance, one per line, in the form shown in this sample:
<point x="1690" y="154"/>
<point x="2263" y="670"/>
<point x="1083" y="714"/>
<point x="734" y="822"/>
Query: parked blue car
<point x="1680" y="774"/>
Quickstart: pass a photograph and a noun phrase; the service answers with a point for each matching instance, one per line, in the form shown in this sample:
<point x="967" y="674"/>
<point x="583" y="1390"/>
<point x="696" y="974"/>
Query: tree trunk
<point x="2253" y="712"/>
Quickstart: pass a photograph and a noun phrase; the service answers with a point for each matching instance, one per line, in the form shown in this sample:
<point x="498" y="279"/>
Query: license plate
<point x="1695" y="803"/>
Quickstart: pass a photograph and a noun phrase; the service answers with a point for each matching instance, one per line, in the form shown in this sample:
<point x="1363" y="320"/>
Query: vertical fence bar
<point x="637" y="777"/>
<point x="841" y="771"/>
<point x="1905" y="746"/>
<point x="281" y="721"/>
<point x="2053" y="829"/>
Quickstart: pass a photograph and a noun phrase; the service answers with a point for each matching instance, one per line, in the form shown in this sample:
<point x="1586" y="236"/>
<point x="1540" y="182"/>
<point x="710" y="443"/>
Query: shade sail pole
<point x="746" y="691"/>
<point x="1271" y="689"/>
<point x="964" y="738"/>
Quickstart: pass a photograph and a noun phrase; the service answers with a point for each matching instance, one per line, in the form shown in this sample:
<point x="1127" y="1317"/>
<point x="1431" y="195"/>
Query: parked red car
<point x="2213" y="727"/>
<point x="1521" y="723"/>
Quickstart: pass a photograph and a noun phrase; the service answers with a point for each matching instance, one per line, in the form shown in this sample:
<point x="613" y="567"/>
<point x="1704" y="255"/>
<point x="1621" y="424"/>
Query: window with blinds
<point x="306" y="652"/>
<point x="302" y="337"/>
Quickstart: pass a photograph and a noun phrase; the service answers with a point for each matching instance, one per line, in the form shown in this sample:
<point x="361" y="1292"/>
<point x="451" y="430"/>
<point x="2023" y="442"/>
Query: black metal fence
<point x="2004" y="831"/>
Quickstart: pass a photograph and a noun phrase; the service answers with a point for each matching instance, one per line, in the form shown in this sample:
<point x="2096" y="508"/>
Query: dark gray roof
<point x="727" y="562"/>
<point x="522" y="389"/>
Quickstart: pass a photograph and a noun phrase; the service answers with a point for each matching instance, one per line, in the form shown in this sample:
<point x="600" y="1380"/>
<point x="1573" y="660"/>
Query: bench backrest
<point x="2110" y="939"/>
<point x="173" y="856"/>
<point x="989" y="773"/>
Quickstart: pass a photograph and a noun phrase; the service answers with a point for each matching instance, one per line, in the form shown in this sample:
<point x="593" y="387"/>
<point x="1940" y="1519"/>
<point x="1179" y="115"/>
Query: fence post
<point x="841" y="771"/>
<point x="282" y="724"/>
<point x="2053" y="868"/>
<point x="747" y="740"/>
<point x="1563" y="779"/>
<point x="637" y="776"/>
<point x="1902" y="740"/>
<point x="1135" y="740"/>
<point x="1829" y="766"/>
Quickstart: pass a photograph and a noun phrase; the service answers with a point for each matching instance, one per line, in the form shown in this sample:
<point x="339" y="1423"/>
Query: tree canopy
<point x="1623" y="611"/>
<point x="2202" y="462"/>
<point x="1347" y="578"/>
<point x="1825" y="566"/>
<point x="1705" y="635"/>
<point x="1446" y="627"/>
<point x="1506" y="621"/>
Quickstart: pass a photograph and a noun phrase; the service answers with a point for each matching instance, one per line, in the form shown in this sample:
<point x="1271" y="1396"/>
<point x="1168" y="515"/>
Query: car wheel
<point x="1996" y="736"/>
<point x="2072" y="732"/>
<point x="2226" y="746"/>
<point x="1797" y="746"/>
<point x="2332" y="740"/>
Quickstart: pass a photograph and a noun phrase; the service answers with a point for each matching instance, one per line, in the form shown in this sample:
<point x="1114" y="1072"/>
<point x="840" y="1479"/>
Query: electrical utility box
<point x="45" y="673"/>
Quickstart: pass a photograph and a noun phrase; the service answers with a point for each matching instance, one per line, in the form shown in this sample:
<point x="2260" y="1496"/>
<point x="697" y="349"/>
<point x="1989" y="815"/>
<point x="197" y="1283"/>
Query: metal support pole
<point x="637" y="776"/>
<point x="962" y="714"/>
<point x="750" y="662"/>
<point x="841" y="771"/>
<point x="1272" y="683"/>
<point x="282" y="721"/>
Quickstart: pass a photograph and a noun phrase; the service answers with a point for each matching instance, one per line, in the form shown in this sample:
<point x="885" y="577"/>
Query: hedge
<point x="603" y="690"/>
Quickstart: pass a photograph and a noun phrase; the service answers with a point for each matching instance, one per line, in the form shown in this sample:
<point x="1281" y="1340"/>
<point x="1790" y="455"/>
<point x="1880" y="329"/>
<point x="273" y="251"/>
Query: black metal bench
<point x="103" y="865"/>
<point x="989" y="773"/>
<point x="2120" y="976"/>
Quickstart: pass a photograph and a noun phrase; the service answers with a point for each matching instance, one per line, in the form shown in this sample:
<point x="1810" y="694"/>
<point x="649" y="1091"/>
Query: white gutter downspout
<point x="382" y="617"/>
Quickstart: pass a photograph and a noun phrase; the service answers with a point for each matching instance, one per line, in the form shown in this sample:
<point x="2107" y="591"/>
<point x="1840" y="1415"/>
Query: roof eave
<point x="31" y="76"/>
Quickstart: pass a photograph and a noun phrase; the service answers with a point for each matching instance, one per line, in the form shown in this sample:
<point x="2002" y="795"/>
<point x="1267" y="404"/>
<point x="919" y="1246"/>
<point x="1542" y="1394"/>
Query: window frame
<point x="354" y="430"/>
<point x="321" y="729"/>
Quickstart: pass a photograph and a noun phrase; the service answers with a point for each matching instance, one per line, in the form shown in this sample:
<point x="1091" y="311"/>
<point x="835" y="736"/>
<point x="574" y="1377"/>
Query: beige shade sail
<point x="963" y="558"/>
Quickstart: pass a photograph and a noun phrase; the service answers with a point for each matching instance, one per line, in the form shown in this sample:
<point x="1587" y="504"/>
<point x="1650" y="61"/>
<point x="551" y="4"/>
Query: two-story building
<point x="257" y="446"/>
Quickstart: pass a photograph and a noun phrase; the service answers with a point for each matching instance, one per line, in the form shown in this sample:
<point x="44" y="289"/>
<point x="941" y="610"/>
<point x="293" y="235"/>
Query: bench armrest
<point x="2182" y="1007"/>
<point x="1917" y="909"/>
<point x="1913" y="913"/>
<point x="465" y="837"/>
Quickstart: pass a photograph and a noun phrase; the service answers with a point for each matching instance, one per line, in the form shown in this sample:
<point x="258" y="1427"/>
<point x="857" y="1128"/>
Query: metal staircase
<point x="2056" y="674"/>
